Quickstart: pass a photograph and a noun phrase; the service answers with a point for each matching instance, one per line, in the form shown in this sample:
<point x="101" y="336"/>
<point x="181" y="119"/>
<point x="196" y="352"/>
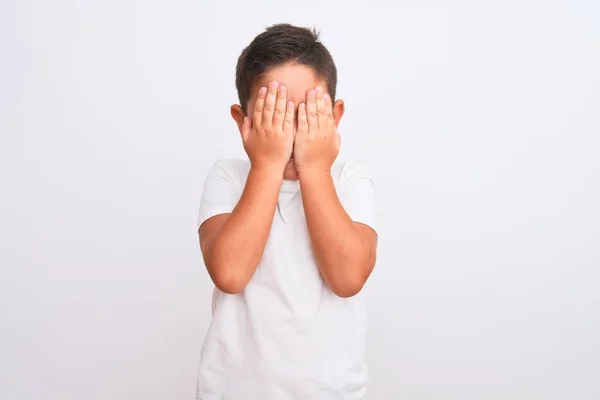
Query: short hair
<point x="281" y="44"/>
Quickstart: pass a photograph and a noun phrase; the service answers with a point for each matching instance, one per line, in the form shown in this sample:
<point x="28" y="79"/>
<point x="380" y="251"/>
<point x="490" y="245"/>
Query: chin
<point x="290" y="172"/>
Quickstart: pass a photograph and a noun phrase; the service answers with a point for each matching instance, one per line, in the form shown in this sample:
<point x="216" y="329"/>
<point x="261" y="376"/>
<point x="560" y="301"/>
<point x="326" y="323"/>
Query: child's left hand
<point x="317" y="142"/>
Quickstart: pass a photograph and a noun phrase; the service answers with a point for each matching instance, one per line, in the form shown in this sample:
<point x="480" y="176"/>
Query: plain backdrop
<point x="479" y="120"/>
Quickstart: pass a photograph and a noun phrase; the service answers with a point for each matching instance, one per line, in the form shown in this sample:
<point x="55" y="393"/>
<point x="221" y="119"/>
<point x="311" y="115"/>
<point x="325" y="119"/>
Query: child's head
<point x="291" y="55"/>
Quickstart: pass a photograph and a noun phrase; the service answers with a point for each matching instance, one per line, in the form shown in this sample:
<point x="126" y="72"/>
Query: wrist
<point x="269" y="172"/>
<point x="268" y="166"/>
<point x="317" y="175"/>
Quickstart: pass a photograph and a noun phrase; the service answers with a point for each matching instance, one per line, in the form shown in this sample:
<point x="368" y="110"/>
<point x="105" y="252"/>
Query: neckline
<point x="290" y="186"/>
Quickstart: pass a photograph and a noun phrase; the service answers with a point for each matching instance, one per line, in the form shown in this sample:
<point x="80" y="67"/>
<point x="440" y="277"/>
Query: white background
<point x="480" y="121"/>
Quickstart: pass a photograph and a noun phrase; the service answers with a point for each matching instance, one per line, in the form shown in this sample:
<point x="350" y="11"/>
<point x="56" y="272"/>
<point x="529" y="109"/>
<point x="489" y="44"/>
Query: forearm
<point x="341" y="251"/>
<point x="237" y="247"/>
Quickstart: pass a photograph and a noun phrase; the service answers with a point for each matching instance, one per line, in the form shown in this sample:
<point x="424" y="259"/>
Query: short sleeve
<point x="356" y="191"/>
<point x="221" y="191"/>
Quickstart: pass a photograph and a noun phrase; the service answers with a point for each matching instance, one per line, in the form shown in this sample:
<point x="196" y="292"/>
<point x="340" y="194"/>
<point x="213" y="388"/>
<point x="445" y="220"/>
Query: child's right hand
<point x="269" y="136"/>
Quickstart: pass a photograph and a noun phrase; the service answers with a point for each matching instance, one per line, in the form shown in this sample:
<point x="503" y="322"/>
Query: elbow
<point x="346" y="293"/>
<point x="347" y="290"/>
<point x="228" y="280"/>
<point x="229" y="283"/>
<point x="348" y="286"/>
<point x="229" y="287"/>
<point x="348" y="282"/>
<point x="228" y="276"/>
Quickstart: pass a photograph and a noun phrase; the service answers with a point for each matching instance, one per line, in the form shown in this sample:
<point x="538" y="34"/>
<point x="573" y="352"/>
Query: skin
<point x="290" y="132"/>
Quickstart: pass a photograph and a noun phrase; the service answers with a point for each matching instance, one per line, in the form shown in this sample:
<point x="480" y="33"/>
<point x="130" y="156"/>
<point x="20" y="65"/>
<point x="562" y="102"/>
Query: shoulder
<point x="347" y="171"/>
<point x="235" y="169"/>
<point x="357" y="192"/>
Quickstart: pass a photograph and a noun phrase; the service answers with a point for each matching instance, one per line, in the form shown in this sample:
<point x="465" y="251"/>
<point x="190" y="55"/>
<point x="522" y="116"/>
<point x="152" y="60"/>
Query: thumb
<point x="246" y="127"/>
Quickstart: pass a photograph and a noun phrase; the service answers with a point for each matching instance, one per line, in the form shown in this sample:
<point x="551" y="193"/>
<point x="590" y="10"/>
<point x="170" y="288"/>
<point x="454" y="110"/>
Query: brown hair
<point x="281" y="44"/>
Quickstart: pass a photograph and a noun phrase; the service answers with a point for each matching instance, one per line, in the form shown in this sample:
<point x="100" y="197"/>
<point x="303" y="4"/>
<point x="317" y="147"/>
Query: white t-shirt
<point x="286" y="336"/>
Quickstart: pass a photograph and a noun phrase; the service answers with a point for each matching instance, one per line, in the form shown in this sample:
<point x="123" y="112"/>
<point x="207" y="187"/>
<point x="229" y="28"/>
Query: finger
<point x="321" y="113"/>
<point x="288" y="123"/>
<point x="259" y="105"/>
<point x="246" y="128"/>
<point x="302" y="120"/>
<point x="269" y="109"/>
<point x="280" y="107"/>
<point x="311" y="111"/>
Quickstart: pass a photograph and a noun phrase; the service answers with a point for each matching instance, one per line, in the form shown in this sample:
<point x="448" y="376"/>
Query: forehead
<point x="298" y="79"/>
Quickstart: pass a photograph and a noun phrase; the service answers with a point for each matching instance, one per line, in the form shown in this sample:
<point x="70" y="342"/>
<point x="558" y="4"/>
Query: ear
<point x="338" y="111"/>
<point x="238" y="115"/>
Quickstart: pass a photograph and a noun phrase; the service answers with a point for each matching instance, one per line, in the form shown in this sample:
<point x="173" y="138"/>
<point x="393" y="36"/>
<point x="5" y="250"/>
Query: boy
<point x="288" y="238"/>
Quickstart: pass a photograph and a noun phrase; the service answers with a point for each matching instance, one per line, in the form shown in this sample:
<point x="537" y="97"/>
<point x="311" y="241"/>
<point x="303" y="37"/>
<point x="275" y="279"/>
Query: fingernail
<point x="262" y="90"/>
<point x="319" y="89"/>
<point x="274" y="84"/>
<point x="290" y="104"/>
<point x="302" y="105"/>
<point x="326" y="96"/>
<point x="281" y="89"/>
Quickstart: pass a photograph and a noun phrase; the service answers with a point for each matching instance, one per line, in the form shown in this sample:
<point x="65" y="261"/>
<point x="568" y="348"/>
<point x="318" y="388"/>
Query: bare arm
<point x="232" y="244"/>
<point x="345" y="251"/>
